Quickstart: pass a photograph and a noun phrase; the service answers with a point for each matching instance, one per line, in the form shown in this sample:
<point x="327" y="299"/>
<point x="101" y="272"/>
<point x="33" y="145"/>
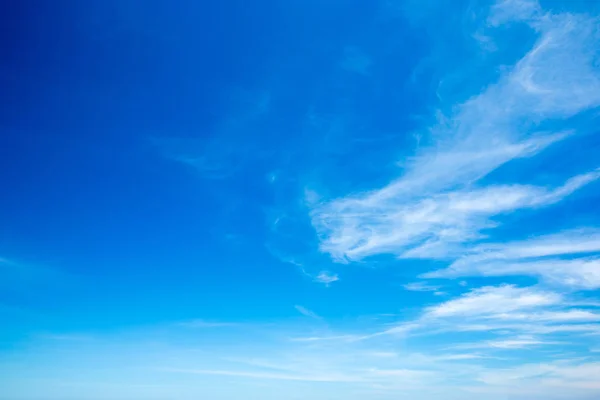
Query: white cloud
<point x="334" y="338"/>
<point x="572" y="315"/>
<point x="528" y="312"/>
<point x="509" y="344"/>
<point x="533" y="327"/>
<point x="439" y="206"/>
<point x="583" y="273"/>
<point x="535" y="257"/>
<point x="421" y="287"/>
<point x="306" y="312"/>
<point x="494" y="300"/>
<point x="557" y="375"/>
<point x="455" y="357"/>
<point x="398" y="223"/>
<point x="569" y="242"/>
<point x="513" y="10"/>
<point x="326" y="277"/>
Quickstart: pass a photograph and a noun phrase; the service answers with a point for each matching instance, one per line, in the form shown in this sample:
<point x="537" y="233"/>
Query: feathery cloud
<point x="440" y="204"/>
<point x="539" y="256"/>
<point x="326" y="277"/>
<point x="306" y="312"/>
<point x="492" y="300"/>
<point x="421" y="287"/>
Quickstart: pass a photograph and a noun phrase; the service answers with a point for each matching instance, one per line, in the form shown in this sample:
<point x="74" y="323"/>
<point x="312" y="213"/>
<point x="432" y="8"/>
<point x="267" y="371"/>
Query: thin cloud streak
<point x="307" y="313"/>
<point x="421" y="287"/>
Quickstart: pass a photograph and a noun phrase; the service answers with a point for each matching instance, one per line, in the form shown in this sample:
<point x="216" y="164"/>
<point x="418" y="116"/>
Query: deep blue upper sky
<point x="299" y="199"/>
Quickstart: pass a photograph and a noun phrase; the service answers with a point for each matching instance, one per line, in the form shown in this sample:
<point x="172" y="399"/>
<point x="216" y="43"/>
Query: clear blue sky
<point x="301" y="199"/>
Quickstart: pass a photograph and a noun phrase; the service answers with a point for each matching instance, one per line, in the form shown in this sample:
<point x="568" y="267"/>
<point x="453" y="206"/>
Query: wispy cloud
<point x="4" y="261"/>
<point x="440" y="204"/>
<point x="219" y="154"/>
<point x="533" y="316"/>
<point x="421" y="287"/>
<point x="306" y="312"/>
<point x="581" y="273"/>
<point x="514" y="10"/>
<point x="493" y="300"/>
<point x="353" y="362"/>
<point x="571" y="315"/>
<point x="558" y="375"/>
<point x="452" y="196"/>
<point x="327" y="277"/>
<point x="519" y="342"/>
<point x="539" y="256"/>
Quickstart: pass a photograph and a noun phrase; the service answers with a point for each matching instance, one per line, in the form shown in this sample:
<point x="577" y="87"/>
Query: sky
<point x="300" y="199"/>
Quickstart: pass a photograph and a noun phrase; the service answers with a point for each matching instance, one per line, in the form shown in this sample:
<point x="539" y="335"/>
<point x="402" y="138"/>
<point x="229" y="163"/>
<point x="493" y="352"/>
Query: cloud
<point x="4" y="261"/>
<point x="521" y="342"/>
<point x="440" y="204"/>
<point x="572" y="242"/>
<point x="493" y="300"/>
<point x="557" y="375"/>
<point x="538" y="256"/>
<point x="514" y="10"/>
<point x="334" y="338"/>
<point x="219" y="154"/>
<point x="421" y="287"/>
<point x="583" y="273"/>
<point x="326" y="277"/>
<point x="533" y="316"/>
<point x="351" y="363"/>
<point x="306" y="312"/>
<point x="572" y="315"/>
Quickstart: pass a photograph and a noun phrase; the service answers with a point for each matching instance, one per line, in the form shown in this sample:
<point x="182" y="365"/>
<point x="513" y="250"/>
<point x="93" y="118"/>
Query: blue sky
<point x="333" y="199"/>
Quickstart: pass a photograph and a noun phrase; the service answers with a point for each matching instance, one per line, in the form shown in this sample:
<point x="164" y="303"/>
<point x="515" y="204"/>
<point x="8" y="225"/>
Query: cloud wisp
<point x="421" y="287"/>
<point x="504" y="317"/>
<point x="307" y="313"/>
<point x="441" y="204"/>
<point x="569" y="258"/>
